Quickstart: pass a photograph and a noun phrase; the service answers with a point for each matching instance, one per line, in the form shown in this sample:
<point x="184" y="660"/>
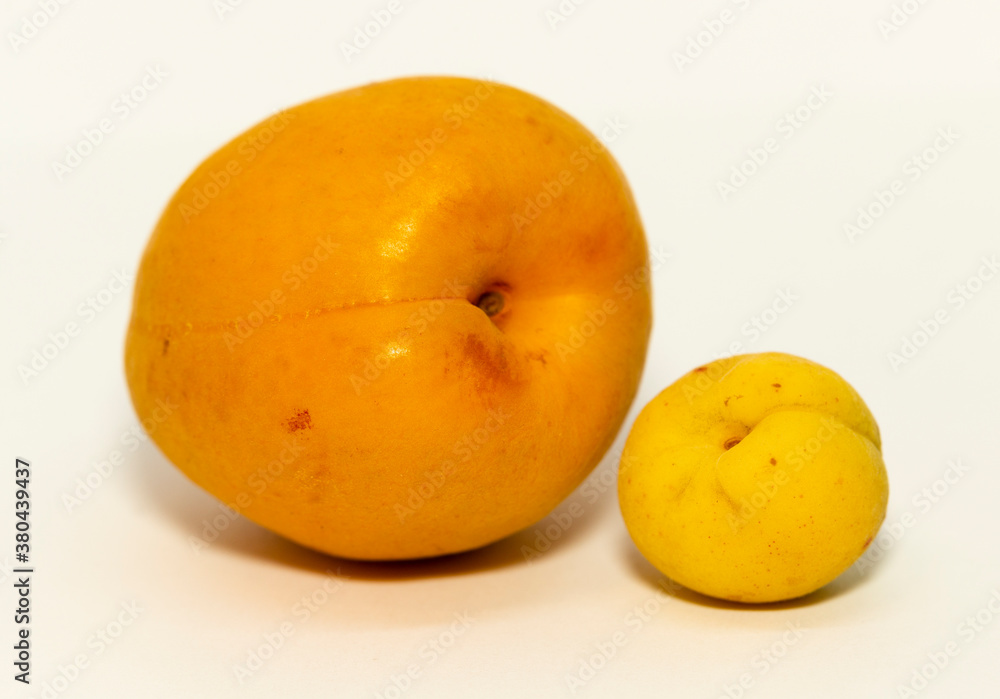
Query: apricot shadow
<point x="182" y="502"/>
<point x="645" y="571"/>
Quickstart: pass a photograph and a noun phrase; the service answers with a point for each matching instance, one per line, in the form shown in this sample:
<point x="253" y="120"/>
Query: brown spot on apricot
<point x="701" y="369"/>
<point x="776" y="385"/>
<point x="774" y="462"/>
<point x="300" y="421"/>
<point x="732" y="442"/>
<point x="489" y="365"/>
<point x="867" y="541"/>
<point x="538" y="357"/>
<point x="166" y="345"/>
<point x="479" y="354"/>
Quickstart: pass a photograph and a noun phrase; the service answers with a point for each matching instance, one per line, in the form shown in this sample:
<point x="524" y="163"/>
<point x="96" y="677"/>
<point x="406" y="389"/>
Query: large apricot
<point x="398" y="321"/>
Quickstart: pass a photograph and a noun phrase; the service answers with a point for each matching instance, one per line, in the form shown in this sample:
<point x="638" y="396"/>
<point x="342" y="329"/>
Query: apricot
<point x="755" y="478"/>
<point x="398" y="321"/>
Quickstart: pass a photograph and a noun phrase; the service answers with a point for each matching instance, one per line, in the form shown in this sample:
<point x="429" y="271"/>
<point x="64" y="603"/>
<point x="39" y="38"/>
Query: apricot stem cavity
<point x="491" y="303"/>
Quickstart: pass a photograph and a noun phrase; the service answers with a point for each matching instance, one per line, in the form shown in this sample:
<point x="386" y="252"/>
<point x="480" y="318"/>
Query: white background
<point x="532" y="624"/>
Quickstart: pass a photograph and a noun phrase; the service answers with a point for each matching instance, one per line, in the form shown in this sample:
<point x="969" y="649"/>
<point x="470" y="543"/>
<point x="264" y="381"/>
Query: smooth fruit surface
<point x="398" y="321"/>
<point x="755" y="478"/>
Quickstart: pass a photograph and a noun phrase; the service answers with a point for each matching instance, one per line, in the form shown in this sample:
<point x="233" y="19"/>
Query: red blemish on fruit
<point x="300" y="421"/>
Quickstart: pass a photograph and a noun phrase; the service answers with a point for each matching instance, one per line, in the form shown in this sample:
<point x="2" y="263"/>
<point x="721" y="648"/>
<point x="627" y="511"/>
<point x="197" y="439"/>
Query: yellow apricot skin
<point x="755" y="478"/>
<point x="316" y="301"/>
